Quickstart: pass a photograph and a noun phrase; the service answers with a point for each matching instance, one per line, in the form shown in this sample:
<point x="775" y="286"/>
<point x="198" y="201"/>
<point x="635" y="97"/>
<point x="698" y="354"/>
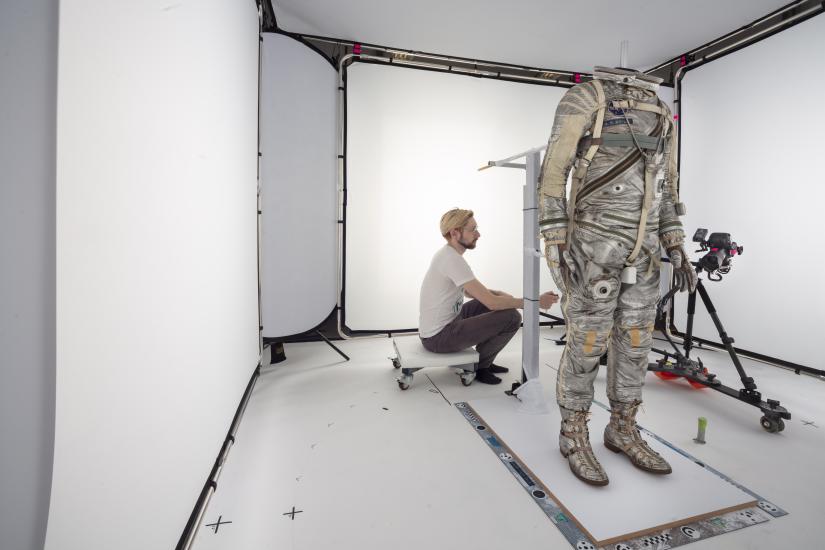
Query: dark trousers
<point x="489" y="331"/>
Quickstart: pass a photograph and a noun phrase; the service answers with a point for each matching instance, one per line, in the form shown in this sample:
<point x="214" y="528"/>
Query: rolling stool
<point x="411" y="356"/>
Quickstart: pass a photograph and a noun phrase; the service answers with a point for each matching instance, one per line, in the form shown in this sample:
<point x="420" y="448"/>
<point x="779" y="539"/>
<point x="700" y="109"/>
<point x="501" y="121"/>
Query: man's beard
<point x="469" y="246"/>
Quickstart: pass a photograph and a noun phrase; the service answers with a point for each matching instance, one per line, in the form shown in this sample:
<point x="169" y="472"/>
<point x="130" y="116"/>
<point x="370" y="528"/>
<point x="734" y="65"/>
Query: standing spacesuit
<point x="603" y="247"/>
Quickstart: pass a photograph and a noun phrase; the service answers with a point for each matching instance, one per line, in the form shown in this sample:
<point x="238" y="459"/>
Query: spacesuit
<point x="603" y="246"/>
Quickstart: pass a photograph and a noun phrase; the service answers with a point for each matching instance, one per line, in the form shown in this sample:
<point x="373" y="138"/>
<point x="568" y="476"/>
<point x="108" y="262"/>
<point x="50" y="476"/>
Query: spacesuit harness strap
<point x="626" y="140"/>
<point x="646" y="143"/>
<point x="596" y="140"/>
<point x="650" y="181"/>
<point x="651" y="173"/>
<point x="583" y="163"/>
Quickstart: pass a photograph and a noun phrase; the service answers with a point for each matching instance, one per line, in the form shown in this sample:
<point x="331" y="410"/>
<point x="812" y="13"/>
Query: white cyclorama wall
<point x="751" y="140"/>
<point x="28" y="94"/>
<point x="299" y="91"/>
<point x="157" y="320"/>
<point x="415" y="141"/>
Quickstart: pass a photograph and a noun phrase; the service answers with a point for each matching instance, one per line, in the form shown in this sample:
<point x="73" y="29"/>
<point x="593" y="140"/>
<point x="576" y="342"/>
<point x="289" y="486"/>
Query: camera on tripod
<point x="720" y="250"/>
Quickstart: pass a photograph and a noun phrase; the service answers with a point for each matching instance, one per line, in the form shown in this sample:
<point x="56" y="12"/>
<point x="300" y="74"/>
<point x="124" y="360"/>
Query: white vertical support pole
<point x="530" y="332"/>
<point x="624" y="48"/>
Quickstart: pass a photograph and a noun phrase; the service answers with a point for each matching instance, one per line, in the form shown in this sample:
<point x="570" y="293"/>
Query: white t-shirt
<point x="442" y="292"/>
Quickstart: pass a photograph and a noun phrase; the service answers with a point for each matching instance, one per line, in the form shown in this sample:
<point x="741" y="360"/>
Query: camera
<point x="720" y="250"/>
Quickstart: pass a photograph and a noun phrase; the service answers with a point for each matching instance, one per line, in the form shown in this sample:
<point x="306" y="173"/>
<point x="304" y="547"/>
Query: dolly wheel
<point x="396" y="363"/>
<point x="403" y="385"/>
<point x="772" y="425"/>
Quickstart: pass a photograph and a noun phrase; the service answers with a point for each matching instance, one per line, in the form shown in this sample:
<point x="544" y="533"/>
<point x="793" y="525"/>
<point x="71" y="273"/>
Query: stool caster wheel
<point x="467" y="379"/>
<point x="395" y="362"/>
<point x="405" y="381"/>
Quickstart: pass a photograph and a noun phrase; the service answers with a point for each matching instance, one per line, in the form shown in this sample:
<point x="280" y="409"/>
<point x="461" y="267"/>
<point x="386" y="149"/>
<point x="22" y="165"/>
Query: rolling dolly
<point x="411" y="356"/>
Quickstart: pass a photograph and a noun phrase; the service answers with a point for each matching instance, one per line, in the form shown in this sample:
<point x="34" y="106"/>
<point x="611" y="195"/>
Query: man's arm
<point x="474" y="289"/>
<point x="493" y="292"/>
<point x="496" y="300"/>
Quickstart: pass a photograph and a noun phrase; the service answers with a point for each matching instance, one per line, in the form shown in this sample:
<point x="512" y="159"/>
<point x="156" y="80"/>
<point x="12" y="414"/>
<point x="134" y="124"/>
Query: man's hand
<point x="547" y="299"/>
<point x="684" y="275"/>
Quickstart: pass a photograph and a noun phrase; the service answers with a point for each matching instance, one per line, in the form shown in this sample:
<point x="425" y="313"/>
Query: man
<point x="603" y="247"/>
<point x="488" y="322"/>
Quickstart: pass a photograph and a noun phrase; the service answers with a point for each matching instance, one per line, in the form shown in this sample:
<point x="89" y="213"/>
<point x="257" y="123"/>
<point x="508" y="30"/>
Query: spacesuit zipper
<point x="611" y="232"/>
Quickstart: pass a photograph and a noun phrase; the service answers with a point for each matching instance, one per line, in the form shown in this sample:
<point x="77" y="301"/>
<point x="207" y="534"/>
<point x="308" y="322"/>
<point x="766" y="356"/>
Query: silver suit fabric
<point x="601" y="313"/>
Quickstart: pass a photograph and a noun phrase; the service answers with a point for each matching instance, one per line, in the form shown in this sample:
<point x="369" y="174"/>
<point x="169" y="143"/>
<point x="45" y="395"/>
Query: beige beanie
<point x="454" y="219"/>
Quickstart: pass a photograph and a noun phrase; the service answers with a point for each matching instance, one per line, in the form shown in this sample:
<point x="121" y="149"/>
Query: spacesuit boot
<point x="574" y="444"/>
<point x="622" y="435"/>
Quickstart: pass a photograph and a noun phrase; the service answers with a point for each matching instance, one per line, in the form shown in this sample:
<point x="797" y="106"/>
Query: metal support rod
<point x="624" y="46"/>
<point x="734" y="33"/>
<point x="525" y="154"/>
<point x="436" y="57"/>
<point x="341" y="353"/>
<point x="191" y="529"/>
<point x="186" y="544"/>
<point x="340" y="226"/>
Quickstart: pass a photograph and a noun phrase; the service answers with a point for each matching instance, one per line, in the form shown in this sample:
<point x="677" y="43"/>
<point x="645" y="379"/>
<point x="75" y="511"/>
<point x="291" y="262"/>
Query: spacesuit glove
<point x="553" y="253"/>
<point x="684" y="276"/>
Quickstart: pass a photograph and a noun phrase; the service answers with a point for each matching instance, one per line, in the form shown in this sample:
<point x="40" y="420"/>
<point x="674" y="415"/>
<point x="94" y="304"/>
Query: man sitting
<point x="488" y="322"/>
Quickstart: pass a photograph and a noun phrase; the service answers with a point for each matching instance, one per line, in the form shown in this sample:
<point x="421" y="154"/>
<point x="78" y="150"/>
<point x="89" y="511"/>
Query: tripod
<point x="773" y="413"/>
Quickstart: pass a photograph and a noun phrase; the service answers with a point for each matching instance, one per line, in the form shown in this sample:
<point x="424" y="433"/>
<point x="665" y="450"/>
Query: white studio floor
<point x="365" y="465"/>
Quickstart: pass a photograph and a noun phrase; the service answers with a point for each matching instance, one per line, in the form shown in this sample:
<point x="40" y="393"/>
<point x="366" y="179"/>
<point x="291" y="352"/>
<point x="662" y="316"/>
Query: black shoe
<point x="486" y="377"/>
<point x="498" y="369"/>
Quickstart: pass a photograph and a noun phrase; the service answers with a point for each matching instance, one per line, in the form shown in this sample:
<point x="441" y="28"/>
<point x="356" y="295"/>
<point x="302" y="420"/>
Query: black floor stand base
<point x="278" y="355"/>
<point x="677" y="363"/>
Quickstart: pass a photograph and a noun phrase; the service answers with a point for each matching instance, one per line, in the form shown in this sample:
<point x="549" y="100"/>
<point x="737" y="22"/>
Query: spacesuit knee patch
<point x="639" y="337"/>
<point x="635" y="338"/>
<point x="593" y="343"/>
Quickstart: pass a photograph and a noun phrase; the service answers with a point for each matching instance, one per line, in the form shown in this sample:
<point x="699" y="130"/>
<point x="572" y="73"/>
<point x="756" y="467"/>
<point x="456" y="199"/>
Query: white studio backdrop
<point x="415" y="141"/>
<point x="751" y="137"/>
<point x="299" y="93"/>
<point x="28" y="103"/>
<point x="156" y="307"/>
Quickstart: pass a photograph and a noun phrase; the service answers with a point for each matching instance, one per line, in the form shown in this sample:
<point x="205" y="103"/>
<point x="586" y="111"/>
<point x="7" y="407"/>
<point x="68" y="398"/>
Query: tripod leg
<point x="747" y="381"/>
<point x="688" y="343"/>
